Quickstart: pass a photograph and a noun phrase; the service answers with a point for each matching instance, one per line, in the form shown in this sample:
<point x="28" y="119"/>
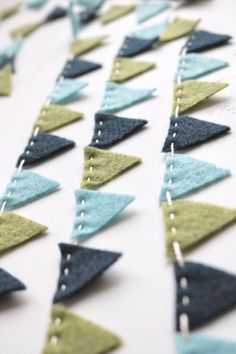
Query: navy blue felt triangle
<point x="8" y="283"/>
<point x="202" y="40"/>
<point x="79" y="267"/>
<point x="87" y="16"/>
<point x="55" y="14"/>
<point x="76" y="67"/>
<point x="133" y="46"/>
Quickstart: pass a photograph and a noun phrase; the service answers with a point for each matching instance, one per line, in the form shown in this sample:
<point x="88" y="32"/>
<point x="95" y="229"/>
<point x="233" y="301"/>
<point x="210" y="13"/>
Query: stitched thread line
<point x="54" y="339"/>
<point x="66" y="272"/>
<point x="99" y="133"/>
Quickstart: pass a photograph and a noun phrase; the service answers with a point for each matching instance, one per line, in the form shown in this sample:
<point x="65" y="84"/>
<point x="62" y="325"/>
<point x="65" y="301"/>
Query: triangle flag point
<point x="75" y="68"/>
<point x="81" y="46"/>
<point x="101" y="166"/>
<point x="6" y="80"/>
<point x="115" y="12"/>
<point x="203" y="40"/>
<point x="66" y="91"/>
<point x="55" y="14"/>
<point x="146" y="9"/>
<point x="133" y="46"/>
<point x="8" y="283"/>
<point x="179" y="27"/>
<point x="153" y="32"/>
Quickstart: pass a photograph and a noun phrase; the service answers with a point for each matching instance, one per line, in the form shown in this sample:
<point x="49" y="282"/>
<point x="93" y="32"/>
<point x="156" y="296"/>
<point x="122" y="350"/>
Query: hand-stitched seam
<point x="55" y="338"/>
<point x="91" y="167"/>
<point x="99" y="132"/>
<point x="66" y="272"/>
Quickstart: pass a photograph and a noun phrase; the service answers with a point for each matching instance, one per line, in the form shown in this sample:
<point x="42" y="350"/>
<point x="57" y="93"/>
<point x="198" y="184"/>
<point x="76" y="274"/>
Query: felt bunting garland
<point x="133" y="46"/>
<point x="203" y="40"/>
<point x="8" y="283"/>
<point x="76" y="67"/>
<point x="116" y="12"/>
<point x="148" y="9"/>
<point x="81" y="46"/>
<point x="153" y="32"/>
<point x="6" y="80"/>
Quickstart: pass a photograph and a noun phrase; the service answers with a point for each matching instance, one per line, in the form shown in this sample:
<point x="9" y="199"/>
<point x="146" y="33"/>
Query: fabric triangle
<point x="194" y="92"/>
<point x="88" y="220"/>
<point x="190" y="132"/>
<point x="25" y="30"/>
<point x="211" y="292"/>
<point x="118" y="97"/>
<point x="179" y="27"/>
<point x="6" y="80"/>
<point x="147" y="9"/>
<point x="8" y="283"/>
<point x="110" y="129"/>
<point x="66" y="328"/>
<point x="203" y="40"/>
<point x="189" y="175"/>
<point x="36" y="4"/>
<point x="66" y="91"/>
<point x="42" y="147"/>
<point x="14" y="230"/>
<point x="153" y="32"/>
<point x="55" y="14"/>
<point x="116" y="12"/>
<point x="126" y="68"/>
<point x="195" y="222"/>
<point x="133" y="46"/>
<point x="84" y="265"/>
<point x="101" y="166"/>
<point x="53" y="117"/>
<point x="25" y="187"/>
<point x="9" y="11"/>
<point x="81" y="46"/>
<point x="76" y="67"/>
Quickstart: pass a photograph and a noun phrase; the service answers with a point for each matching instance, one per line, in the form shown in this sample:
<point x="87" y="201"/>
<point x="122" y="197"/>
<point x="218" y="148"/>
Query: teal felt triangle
<point x="12" y="50"/>
<point x="148" y="9"/>
<point x="188" y="175"/>
<point x="25" y="187"/>
<point x="94" y="210"/>
<point x="152" y="32"/>
<point x="36" y="4"/>
<point x="66" y="91"/>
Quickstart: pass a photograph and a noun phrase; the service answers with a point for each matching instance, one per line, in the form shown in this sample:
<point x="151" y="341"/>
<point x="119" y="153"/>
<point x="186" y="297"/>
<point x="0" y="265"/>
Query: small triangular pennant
<point x="110" y="129"/>
<point x="126" y="68"/>
<point x="55" y="14"/>
<point x="76" y="67"/>
<point x="8" y="283"/>
<point x="116" y="12"/>
<point x="69" y="333"/>
<point x="202" y="40"/>
<point x="189" y="175"/>
<point x="179" y="27"/>
<point x="53" y="117"/>
<point x="25" y="187"/>
<point x="118" y="97"/>
<point x="66" y="91"/>
<point x="81" y="46"/>
<point x="36" y="4"/>
<point x="152" y="32"/>
<point x="133" y="46"/>
<point x="211" y="292"/>
<point x="14" y="230"/>
<point x="42" y="147"/>
<point x="189" y="132"/>
<point x="87" y="220"/>
<point x="195" y="222"/>
<point x="192" y="92"/>
<point x="25" y="30"/>
<point x="101" y="166"/>
<point x="79" y="267"/>
<point x="147" y="9"/>
<point x="6" y="80"/>
<point x="9" y="11"/>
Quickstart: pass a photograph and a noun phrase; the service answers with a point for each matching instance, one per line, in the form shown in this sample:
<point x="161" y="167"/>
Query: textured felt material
<point x="44" y="146"/>
<point x="12" y="50"/>
<point x="90" y="4"/>
<point x="193" y="92"/>
<point x="53" y="117"/>
<point x="8" y="283"/>
<point x="75" y="334"/>
<point x="9" y="11"/>
<point x="14" y="230"/>
<point x="55" y="14"/>
<point x="6" y="80"/>
<point x="148" y="9"/>
<point x="211" y="292"/>
<point x="189" y="175"/>
<point x="133" y="46"/>
<point x="194" y="222"/>
<point x="81" y="46"/>
<point x="101" y="166"/>
<point x="66" y="91"/>
<point x="152" y="32"/>
<point x="191" y="132"/>
<point x="118" y="97"/>
<point x="76" y="67"/>
<point x="110" y="129"/>
<point x="25" y="187"/>
<point x="85" y="265"/>
<point x="25" y="30"/>
<point x="126" y="68"/>
<point x="35" y="4"/>
<point x="94" y="210"/>
<point x="116" y="12"/>
<point x="179" y="27"/>
<point x="203" y="40"/>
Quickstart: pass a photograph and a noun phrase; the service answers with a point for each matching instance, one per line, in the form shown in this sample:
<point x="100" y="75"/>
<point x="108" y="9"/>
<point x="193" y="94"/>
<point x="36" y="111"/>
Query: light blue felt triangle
<point x="94" y="210"/>
<point x="25" y="187"/>
<point x="189" y="175"/>
<point x="36" y="4"/>
<point x="198" y="344"/>
<point x="118" y="97"/>
<point x="12" y="50"/>
<point x="74" y="20"/>
<point x="66" y="90"/>
<point x="152" y="32"/>
<point x="90" y="4"/>
<point x="147" y="9"/>
<point x="192" y="66"/>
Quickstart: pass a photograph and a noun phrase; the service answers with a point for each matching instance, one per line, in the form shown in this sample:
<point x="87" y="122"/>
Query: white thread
<point x="90" y="168"/>
<point x="80" y="227"/>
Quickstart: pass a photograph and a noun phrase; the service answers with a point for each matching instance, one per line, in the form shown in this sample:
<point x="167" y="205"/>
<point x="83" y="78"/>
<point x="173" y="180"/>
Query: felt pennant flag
<point x="66" y="91"/>
<point x="133" y="46"/>
<point x="25" y="30"/>
<point x="126" y="68"/>
<point x="69" y="333"/>
<point x="42" y="147"/>
<point x="152" y="32"/>
<point x="94" y="210"/>
<point x="110" y="129"/>
<point x="14" y="230"/>
<point x="81" y="46"/>
<point x="6" y="80"/>
<point x="82" y="265"/>
<point x="116" y="12"/>
<point x="188" y="132"/>
<point x="25" y="187"/>
<point x="55" y="14"/>
<point x="189" y="175"/>
<point x="101" y="166"/>
<point x="9" y="11"/>
<point x="195" y="222"/>
<point x="203" y="40"/>
<point x="148" y="9"/>
<point x="36" y="4"/>
<point x="211" y="292"/>
<point x="118" y="97"/>
<point x="8" y="283"/>
<point x="54" y="116"/>
<point x="76" y="67"/>
<point x="179" y="27"/>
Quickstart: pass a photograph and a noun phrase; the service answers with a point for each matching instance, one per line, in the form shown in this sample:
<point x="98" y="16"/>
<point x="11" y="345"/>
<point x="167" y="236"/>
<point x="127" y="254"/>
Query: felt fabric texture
<point x="6" y="80"/>
<point x="81" y="46"/>
<point x="52" y="117"/>
<point x="203" y="40"/>
<point x="211" y="291"/>
<point x="75" y="334"/>
<point x="85" y="265"/>
<point x="194" y="92"/>
<point x="9" y="11"/>
<point x="8" y="283"/>
<point x="148" y="9"/>
<point x="133" y="46"/>
<point x="118" y="97"/>
<point x="42" y="147"/>
<point x="14" y="230"/>
<point x="126" y="68"/>
<point x="25" y="187"/>
<point x="25" y="30"/>
<point x="115" y="12"/>
<point x="152" y="32"/>
<point x="101" y="166"/>
<point x="194" y="222"/>
<point x="110" y="129"/>
<point x="76" y="67"/>
<point x="36" y="4"/>
<point x="179" y="27"/>
<point x="94" y="210"/>
<point x="191" y="132"/>
<point x="192" y="66"/>
<point x="66" y="91"/>
<point x="55" y="14"/>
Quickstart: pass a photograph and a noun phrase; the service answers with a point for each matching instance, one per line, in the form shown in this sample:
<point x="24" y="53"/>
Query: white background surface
<point x="135" y="298"/>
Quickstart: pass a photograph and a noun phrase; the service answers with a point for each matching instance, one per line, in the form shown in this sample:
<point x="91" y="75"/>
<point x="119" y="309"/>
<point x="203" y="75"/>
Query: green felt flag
<point x="25" y="30"/>
<point x="6" y="80"/>
<point x="115" y="12"/>
<point x="9" y="11"/>
<point x="179" y="27"/>
<point x="80" y="46"/>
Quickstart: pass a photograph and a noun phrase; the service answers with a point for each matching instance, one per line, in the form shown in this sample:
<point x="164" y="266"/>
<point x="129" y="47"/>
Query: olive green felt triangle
<point x="125" y="68"/>
<point x="71" y="334"/>
<point x="179" y="27"/>
<point x="54" y="116"/>
<point x="25" y="30"/>
<point x="115" y="12"/>
<point x="81" y="46"/>
<point x="6" y="80"/>
<point x="194" y="222"/>
<point x="14" y="230"/>
<point x="101" y="166"/>
<point x="9" y="11"/>
<point x="191" y="92"/>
